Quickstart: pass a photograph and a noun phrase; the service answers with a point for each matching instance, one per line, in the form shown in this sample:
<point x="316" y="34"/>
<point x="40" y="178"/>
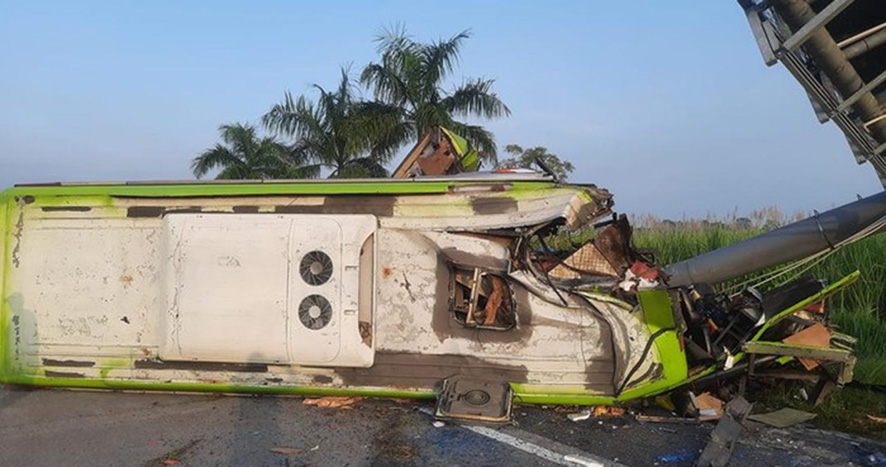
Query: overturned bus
<point x="476" y="289"/>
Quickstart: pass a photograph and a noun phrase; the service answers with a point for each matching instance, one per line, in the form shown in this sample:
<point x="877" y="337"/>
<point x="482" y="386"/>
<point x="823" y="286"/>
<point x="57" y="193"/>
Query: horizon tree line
<point x="348" y="136"/>
<point x="353" y="137"/>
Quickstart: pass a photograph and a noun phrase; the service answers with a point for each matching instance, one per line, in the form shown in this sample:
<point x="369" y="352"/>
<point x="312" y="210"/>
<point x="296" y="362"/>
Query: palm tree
<point x="408" y="83"/>
<point x="350" y="137"/>
<point x="526" y="158"/>
<point x="244" y="155"/>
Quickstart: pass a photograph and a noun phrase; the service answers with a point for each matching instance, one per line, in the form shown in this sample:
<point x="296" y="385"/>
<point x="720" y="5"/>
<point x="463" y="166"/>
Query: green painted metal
<point x="825" y="293"/>
<point x="659" y="315"/>
<point x="318" y="188"/>
<point x="208" y="387"/>
<point x="561" y="399"/>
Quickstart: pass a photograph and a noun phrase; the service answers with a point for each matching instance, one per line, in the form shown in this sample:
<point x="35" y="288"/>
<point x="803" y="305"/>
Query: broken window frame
<point x="478" y="275"/>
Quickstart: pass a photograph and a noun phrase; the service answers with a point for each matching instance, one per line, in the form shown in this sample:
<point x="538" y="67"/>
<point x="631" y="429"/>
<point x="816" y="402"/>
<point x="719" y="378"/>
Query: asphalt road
<point x="59" y="428"/>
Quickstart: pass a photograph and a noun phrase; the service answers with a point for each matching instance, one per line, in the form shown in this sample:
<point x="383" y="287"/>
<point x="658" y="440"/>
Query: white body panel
<point x="233" y="289"/>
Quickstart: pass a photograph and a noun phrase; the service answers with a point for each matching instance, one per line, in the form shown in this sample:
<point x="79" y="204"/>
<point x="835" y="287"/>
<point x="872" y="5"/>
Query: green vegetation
<point x="408" y="81"/>
<point x="245" y="155"/>
<point x="352" y="137"/>
<point x="526" y="158"/>
<point x="859" y="311"/>
<point x="338" y="132"/>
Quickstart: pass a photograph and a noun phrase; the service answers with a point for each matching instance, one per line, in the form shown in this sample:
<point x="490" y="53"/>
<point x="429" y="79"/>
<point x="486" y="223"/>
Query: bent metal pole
<point x="788" y="243"/>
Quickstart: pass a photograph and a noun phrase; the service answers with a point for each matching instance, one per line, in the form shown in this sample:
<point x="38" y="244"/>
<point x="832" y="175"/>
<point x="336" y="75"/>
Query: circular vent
<point x="315" y="312"/>
<point x="315" y="268"/>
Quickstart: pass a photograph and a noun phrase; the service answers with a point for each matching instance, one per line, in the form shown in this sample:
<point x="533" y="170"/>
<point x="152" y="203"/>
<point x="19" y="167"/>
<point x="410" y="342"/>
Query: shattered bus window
<point x="482" y="300"/>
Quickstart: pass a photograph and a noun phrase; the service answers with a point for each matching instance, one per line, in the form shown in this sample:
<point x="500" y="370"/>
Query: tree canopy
<point x="526" y="158"/>
<point x="338" y="131"/>
<point x="242" y="154"/>
<point x="408" y="83"/>
<point x="349" y="136"/>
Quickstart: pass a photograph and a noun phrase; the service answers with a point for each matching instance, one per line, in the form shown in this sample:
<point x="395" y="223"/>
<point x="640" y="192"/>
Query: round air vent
<point x="315" y="268"/>
<point x="315" y="312"/>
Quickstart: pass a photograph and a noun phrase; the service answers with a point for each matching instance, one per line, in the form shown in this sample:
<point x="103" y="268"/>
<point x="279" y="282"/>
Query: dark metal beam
<point x="866" y="89"/>
<point x="862" y="46"/>
<point x="817" y="22"/>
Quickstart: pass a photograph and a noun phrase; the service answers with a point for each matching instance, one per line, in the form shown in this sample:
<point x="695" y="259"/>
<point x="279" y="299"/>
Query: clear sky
<point x="668" y="104"/>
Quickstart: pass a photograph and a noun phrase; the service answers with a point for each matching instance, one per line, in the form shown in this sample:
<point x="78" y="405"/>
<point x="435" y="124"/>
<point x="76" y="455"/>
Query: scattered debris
<point x="174" y="457"/>
<point x="438" y="152"/>
<point x="707" y="405"/>
<point x="783" y="418"/>
<point x="679" y="456"/>
<point x="816" y="335"/>
<point x="608" y="410"/>
<point x="579" y="416"/>
<point x="438" y="424"/>
<point x="287" y="451"/>
<point x="659" y="419"/>
<point x="725" y="434"/>
<point x="597" y="411"/>
<point x="333" y="402"/>
<point x="664" y="401"/>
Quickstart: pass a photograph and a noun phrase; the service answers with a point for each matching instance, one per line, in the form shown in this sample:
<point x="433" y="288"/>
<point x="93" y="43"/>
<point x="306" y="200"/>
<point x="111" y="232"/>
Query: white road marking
<point x="570" y="460"/>
<point x="525" y="446"/>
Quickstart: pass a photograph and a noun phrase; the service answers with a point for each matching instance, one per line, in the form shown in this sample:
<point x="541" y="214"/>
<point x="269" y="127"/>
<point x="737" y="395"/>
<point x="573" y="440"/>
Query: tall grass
<point x="859" y="310"/>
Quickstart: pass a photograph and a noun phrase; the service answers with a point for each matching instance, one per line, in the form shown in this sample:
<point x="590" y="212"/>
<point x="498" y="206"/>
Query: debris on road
<point x="597" y="411"/>
<point x="783" y="418"/>
<point x="608" y="411"/>
<point x="679" y="456"/>
<point x="660" y="419"/>
<point x="725" y="434"/>
<point x="707" y="405"/>
<point x="333" y="402"/>
<point x="287" y="451"/>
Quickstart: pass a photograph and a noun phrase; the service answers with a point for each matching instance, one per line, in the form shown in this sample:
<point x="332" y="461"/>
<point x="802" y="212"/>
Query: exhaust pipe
<point x="789" y="243"/>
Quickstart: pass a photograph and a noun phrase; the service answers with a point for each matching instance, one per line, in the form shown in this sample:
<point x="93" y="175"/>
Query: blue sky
<point x="668" y="104"/>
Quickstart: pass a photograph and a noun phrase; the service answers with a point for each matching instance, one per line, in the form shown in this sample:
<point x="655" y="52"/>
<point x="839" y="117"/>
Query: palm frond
<point x="365" y="167"/>
<point x="475" y="98"/>
<point x="218" y="156"/>
<point x="440" y="58"/>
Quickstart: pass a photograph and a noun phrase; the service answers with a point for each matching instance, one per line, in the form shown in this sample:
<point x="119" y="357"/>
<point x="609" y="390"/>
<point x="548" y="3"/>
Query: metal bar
<point x="788" y="375"/>
<point x="821" y="19"/>
<point x="787" y="350"/>
<point x="861" y="92"/>
<point x="868" y="123"/>
<point x="757" y="29"/>
<point x="865" y="45"/>
<point x="861" y="35"/>
<point x="879" y="150"/>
